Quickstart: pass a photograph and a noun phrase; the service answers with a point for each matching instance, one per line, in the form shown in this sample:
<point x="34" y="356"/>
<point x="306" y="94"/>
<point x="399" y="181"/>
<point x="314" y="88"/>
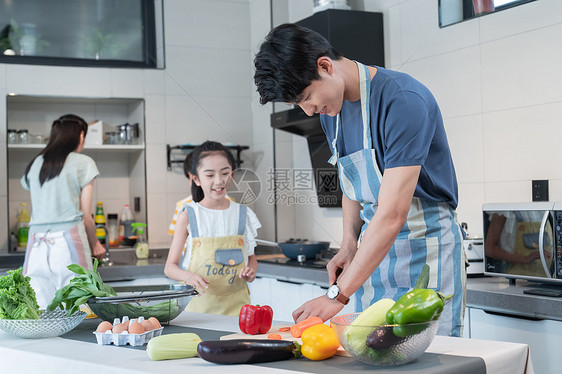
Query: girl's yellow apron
<point x="220" y="261"/>
<point x="526" y="242"/>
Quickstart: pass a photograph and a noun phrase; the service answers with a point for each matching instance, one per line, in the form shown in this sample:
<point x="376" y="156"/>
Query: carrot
<point x="298" y="328"/>
<point x="274" y="336"/>
<point x="284" y="329"/>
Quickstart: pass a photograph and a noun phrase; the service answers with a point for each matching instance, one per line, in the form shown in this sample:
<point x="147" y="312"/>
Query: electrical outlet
<point x="540" y="190"/>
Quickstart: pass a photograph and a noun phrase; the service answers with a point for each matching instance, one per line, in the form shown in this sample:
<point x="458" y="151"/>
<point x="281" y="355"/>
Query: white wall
<point x="497" y="79"/>
<point x="205" y="92"/>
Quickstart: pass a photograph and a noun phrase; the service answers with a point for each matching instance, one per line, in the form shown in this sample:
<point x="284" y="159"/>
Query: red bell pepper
<point x="255" y="319"/>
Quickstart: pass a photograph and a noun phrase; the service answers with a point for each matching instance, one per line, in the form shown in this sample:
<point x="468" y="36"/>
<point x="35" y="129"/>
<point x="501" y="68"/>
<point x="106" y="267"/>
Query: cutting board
<point x="275" y="330"/>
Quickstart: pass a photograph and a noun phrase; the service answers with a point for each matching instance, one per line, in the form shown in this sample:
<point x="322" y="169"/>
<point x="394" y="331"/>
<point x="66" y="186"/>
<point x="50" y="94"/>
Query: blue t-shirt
<point x="406" y="129"/>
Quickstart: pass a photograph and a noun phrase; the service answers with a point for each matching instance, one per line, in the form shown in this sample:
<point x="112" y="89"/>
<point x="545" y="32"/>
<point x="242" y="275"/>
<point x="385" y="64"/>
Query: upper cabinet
<point x="121" y="165"/>
<point x="355" y="34"/>
<point x="108" y="33"/>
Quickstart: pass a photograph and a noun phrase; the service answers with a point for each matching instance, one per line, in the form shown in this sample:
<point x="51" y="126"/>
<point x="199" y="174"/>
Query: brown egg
<point x="126" y="323"/>
<point x="155" y="323"/>
<point x="104" y="326"/>
<point x="136" y="328"/>
<point x="147" y="325"/>
<point x="119" y="328"/>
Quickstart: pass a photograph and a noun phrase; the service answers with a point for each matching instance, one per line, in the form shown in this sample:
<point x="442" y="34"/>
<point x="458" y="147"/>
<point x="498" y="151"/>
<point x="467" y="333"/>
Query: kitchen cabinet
<point x="122" y="178"/>
<point x="542" y="336"/>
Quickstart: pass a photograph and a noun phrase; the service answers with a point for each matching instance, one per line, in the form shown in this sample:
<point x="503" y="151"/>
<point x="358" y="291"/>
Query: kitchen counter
<point x="495" y="294"/>
<point x="124" y="265"/>
<point x="62" y="355"/>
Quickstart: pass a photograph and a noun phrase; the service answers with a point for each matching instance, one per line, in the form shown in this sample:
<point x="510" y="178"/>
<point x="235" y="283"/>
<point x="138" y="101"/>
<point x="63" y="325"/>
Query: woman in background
<point x="62" y="231"/>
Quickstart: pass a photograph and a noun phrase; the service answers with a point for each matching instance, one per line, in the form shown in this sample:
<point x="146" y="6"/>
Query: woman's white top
<point x="216" y="223"/>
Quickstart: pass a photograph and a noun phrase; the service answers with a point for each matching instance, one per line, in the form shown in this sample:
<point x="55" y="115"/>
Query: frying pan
<point x="294" y="248"/>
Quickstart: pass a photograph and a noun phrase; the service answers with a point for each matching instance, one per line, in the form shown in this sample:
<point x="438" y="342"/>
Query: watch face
<point x="333" y="291"/>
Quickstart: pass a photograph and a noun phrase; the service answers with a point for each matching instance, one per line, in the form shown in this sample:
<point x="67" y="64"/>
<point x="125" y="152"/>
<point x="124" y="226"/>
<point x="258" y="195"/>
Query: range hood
<point x="296" y="121"/>
<point x="326" y="178"/>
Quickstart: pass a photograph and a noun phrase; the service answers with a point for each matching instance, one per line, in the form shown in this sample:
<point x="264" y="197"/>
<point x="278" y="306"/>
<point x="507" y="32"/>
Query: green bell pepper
<point x="417" y="305"/>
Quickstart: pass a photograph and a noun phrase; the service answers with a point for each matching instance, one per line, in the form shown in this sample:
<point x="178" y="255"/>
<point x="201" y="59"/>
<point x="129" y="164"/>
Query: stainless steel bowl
<point x="165" y="302"/>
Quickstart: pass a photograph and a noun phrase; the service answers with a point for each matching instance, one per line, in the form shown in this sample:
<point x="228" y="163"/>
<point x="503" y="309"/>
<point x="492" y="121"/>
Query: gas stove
<point x="277" y="257"/>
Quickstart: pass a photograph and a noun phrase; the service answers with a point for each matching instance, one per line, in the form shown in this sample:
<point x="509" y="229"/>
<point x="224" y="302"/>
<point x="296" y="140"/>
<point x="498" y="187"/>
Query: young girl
<point x="219" y="257"/>
<point x="61" y="232"/>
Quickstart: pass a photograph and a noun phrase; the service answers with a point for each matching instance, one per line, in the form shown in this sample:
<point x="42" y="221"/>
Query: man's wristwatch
<point x="334" y="293"/>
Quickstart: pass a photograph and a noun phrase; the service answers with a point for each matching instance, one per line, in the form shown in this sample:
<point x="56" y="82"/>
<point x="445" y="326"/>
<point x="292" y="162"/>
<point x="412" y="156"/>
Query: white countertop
<point x="59" y="355"/>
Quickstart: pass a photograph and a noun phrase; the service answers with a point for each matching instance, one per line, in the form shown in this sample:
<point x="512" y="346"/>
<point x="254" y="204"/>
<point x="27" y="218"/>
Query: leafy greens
<point x="17" y="297"/>
<point x="85" y="285"/>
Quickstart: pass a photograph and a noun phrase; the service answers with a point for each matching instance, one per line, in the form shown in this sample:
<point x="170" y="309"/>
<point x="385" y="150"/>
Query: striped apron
<point x="431" y="234"/>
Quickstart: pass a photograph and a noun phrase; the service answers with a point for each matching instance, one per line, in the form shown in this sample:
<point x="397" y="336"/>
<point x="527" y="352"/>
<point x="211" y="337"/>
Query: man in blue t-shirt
<point x="395" y="167"/>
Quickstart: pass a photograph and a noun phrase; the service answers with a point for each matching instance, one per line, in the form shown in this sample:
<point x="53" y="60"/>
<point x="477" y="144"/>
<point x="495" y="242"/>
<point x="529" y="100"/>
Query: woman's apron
<point x="219" y="260"/>
<point x="47" y="257"/>
<point x="431" y="234"/>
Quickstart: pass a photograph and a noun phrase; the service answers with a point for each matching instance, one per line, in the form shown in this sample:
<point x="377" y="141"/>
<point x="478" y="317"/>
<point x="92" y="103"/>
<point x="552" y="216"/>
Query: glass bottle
<point x="126" y="236"/>
<point x="23" y="226"/>
<point x="113" y="230"/>
<point x="100" y="221"/>
<point x="141" y="249"/>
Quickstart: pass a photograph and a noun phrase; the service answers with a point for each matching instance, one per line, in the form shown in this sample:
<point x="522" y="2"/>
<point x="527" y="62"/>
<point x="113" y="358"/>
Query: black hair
<point x="187" y="164"/>
<point x="286" y="62"/>
<point x="64" y="138"/>
<point x="206" y="149"/>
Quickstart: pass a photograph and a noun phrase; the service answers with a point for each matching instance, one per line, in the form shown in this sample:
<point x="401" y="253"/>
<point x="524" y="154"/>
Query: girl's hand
<point x="248" y="274"/>
<point x="197" y="281"/>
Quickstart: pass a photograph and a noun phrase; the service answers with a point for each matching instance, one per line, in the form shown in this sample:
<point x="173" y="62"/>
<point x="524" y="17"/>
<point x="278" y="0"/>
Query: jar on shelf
<point x="23" y="136"/>
<point x="13" y="136"/>
<point x="39" y="139"/>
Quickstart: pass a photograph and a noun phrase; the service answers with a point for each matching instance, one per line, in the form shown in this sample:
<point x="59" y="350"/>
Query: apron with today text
<point x="431" y="234"/>
<point x="219" y="260"/>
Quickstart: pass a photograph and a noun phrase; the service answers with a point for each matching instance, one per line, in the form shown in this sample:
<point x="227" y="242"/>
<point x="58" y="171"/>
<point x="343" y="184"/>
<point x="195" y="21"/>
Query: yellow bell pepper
<point x="319" y="342"/>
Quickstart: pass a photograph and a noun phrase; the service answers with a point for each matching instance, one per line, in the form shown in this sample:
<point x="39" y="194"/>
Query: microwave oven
<point x="523" y="240"/>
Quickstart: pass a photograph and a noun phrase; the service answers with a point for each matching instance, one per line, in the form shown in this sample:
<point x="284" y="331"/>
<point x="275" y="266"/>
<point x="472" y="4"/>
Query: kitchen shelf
<point x="108" y="147"/>
<point x="122" y="167"/>
<point x="190" y="147"/>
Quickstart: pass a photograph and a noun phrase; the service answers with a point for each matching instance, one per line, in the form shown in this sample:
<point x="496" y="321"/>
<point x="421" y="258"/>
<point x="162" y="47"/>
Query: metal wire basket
<point x="50" y="324"/>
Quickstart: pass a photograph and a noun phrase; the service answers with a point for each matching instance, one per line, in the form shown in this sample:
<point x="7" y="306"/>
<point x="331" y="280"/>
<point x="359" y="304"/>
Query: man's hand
<point x="321" y="307"/>
<point x="339" y="262"/>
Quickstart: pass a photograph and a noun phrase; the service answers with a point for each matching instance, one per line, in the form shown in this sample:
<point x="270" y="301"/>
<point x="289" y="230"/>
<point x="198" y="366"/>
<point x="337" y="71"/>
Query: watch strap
<point x="342" y="298"/>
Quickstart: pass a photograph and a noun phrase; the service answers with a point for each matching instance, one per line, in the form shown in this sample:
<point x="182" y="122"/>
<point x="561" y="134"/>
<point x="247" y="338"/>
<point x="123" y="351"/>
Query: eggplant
<point x="382" y="338"/>
<point x="247" y="351"/>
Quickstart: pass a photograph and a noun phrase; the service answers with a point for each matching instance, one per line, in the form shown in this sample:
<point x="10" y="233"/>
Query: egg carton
<point x="124" y="338"/>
